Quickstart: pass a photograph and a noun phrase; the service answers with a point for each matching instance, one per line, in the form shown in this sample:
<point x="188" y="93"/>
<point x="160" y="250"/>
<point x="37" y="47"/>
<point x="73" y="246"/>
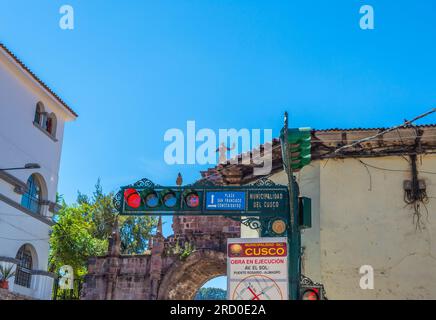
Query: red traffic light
<point x="192" y="200"/>
<point x="310" y="294"/>
<point x="132" y="198"/>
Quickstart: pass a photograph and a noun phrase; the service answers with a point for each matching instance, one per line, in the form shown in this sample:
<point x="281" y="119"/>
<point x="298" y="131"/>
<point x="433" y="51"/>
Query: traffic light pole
<point x="294" y="237"/>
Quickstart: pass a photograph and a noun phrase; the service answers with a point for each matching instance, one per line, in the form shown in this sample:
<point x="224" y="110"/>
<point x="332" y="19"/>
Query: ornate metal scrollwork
<point x="264" y="182"/>
<point x="145" y="183"/>
<point x="252" y="223"/>
<point x="118" y="200"/>
<point x="305" y="281"/>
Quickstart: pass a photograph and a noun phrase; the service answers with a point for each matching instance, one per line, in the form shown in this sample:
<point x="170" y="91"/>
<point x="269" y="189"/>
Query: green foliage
<point x="187" y="251"/>
<point x="72" y="241"/>
<point x="6" y="271"/>
<point x="82" y="231"/>
<point x="211" y="294"/>
<point x="135" y="233"/>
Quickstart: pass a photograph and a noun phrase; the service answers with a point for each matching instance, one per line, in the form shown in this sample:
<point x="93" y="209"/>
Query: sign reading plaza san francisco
<point x="257" y="269"/>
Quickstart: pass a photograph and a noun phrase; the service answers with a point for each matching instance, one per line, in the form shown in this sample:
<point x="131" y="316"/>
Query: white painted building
<point x="32" y="120"/>
<point x="363" y="211"/>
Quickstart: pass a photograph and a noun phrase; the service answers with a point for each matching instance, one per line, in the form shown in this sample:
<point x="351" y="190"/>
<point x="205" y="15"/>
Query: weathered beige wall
<point x="360" y="218"/>
<point x="364" y="221"/>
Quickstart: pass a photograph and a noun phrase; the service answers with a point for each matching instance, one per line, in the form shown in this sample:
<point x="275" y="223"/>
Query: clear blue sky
<point x="133" y="69"/>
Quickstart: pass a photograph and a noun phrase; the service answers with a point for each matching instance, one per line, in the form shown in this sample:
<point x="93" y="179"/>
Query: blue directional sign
<point x="225" y="200"/>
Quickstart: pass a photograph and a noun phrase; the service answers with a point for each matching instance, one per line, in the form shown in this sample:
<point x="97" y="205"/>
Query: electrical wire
<point x="405" y="124"/>
<point x="392" y="170"/>
<point x="321" y="139"/>
<point x="227" y="167"/>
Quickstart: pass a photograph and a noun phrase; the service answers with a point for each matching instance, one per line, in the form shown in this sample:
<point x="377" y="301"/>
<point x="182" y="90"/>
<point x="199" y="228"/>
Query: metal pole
<point x="294" y="232"/>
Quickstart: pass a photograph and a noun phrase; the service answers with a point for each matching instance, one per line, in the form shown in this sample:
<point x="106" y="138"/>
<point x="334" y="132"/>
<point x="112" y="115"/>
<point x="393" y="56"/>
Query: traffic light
<point x="312" y="292"/>
<point x="137" y="200"/>
<point x="305" y="212"/>
<point x="299" y="147"/>
<point x="132" y="198"/>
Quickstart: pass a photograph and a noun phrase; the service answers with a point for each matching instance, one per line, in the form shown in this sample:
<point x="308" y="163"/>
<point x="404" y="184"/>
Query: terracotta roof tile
<point x="323" y="143"/>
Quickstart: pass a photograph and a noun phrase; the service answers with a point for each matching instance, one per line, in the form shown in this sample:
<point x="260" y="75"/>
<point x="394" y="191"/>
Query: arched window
<point x="31" y="199"/>
<point x="39" y="113"/>
<point x="23" y="274"/>
<point x="51" y="124"/>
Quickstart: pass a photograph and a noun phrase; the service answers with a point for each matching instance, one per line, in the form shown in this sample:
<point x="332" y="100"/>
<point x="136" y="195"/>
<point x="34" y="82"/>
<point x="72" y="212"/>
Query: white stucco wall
<point x="22" y="142"/>
<point x="359" y="218"/>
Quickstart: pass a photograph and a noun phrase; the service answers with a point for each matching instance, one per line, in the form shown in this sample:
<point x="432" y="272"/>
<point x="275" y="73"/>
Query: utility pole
<point x="294" y="237"/>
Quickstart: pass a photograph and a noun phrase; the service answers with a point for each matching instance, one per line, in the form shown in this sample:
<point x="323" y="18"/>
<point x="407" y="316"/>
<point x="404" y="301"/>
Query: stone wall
<point x="205" y="224"/>
<point x="118" y="278"/>
<point x="7" y="295"/>
<point x="173" y="268"/>
<point x="169" y="271"/>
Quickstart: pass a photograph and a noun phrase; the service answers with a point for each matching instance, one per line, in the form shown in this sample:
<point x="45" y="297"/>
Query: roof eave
<point x="72" y="115"/>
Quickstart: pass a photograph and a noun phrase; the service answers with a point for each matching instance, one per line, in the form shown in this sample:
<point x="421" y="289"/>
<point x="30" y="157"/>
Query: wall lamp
<point x="26" y="167"/>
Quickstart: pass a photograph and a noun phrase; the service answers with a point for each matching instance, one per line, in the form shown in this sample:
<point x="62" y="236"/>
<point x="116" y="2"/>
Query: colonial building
<point x="32" y="119"/>
<point x="372" y="205"/>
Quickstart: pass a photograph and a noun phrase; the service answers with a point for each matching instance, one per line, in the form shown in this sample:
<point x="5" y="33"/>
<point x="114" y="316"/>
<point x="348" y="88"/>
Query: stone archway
<point x="186" y="277"/>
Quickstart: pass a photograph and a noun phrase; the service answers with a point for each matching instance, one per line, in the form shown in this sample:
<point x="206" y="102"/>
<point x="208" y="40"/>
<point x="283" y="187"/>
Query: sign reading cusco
<point x="257" y="269"/>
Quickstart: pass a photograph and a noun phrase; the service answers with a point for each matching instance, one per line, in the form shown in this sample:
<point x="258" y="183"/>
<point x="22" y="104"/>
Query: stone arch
<point x="185" y="277"/>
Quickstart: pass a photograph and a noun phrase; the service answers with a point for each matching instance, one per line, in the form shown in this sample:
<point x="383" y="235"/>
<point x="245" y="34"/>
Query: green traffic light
<point x="300" y="147"/>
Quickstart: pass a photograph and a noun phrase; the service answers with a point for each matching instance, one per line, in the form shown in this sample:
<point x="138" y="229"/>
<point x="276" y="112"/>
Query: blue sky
<point x="133" y="69"/>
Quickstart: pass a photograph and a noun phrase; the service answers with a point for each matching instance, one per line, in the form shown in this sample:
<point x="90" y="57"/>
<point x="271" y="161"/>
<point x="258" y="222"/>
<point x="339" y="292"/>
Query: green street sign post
<point x="276" y="210"/>
<point x="256" y="206"/>
<point x="296" y="154"/>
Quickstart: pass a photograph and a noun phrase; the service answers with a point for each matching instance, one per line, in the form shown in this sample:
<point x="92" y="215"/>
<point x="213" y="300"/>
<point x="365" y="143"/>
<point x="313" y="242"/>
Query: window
<point x="44" y="121"/>
<point x="31" y="199"/>
<point x="23" y="274"/>
<point x="39" y="114"/>
<point x="51" y="124"/>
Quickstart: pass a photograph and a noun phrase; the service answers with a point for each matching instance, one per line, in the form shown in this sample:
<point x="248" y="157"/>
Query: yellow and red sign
<point x="257" y="269"/>
<point x="261" y="249"/>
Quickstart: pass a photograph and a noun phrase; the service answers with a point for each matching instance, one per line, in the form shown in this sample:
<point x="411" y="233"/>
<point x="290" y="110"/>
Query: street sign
<point x="257" y="269"/>
<point x="225" y="200"/>
<point x="264" y="205"/>
<point x="230" y="201"/>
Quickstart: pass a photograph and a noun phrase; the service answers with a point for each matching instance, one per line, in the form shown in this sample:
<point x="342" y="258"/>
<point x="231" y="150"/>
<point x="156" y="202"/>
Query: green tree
<point x="72" y="241"/>
<point x="82" y="231"/>
<point x="211" y="294"/>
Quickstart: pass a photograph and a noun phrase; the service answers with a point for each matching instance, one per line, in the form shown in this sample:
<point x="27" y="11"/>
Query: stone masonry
<point x="174" y="267"/>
